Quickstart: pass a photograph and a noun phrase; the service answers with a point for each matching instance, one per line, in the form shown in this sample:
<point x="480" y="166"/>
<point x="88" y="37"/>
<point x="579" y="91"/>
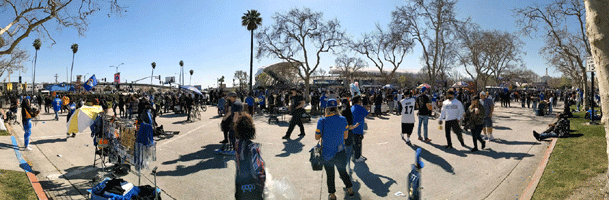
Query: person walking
<point x="346" y="112"/>
<point x="359" y="116"/>
<point x="56" y="106"/>
<point x="249" y="100"/>
<point x="476" y="122"/>
<point x="333" y="130"/>
<point x="378" y="102"/>
<point x="408" y="104"/>
<point x="489" y="107"/>
<point x="297" y="109"/>
<point x="452" y="113"/>
<point x="234" y="110"/>
<point x="424" y="113"/>
<point x="250" y="173"/>
<point x="121" y="106"/>
<point x="71" y="110"/>
<point x="27" y="113"/>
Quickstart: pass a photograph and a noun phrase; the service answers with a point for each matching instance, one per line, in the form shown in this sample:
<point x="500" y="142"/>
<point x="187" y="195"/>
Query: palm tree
<point x="153" y="66"/>
<point x="251" y="20"/>
<point x="36" y="45"/>
<point x="74" y="48"/>
<point x="190" y="81"/>
<point x="181" y="72"/>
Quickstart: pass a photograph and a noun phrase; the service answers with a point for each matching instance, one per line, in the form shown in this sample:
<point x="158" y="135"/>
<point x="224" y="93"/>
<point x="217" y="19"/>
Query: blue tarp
<point x="60" y="88"/>
<point x="191" y="88"/>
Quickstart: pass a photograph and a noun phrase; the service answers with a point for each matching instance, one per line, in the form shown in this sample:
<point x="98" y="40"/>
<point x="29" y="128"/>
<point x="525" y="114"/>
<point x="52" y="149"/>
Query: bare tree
<point x="349" y="66"/>
<point x="290" y="36"/>
<point x="381" y="46"/>
<point x="33" y="16"/>
<point x="430" y="24"/>
<point x="566" y="40"/>
<point x="13" y="62"/>
<point x="598" y="30"/>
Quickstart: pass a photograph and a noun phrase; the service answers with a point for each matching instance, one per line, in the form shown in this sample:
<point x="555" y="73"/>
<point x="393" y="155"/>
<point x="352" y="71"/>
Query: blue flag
<point x="91" y="82"/>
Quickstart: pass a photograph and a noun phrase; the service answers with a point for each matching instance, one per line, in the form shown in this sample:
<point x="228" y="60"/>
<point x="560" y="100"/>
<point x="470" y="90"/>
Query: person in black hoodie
<point x="346" y="112"/>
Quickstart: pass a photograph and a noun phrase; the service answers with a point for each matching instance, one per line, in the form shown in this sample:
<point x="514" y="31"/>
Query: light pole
<point x="117" y="66"/>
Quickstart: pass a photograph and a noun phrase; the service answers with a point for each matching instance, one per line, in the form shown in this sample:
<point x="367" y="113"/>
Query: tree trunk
<point x="72" y="68"/>
<point x="307" y="85"/>
<point x="598" y="30"/>
<point x="251" y="59"/>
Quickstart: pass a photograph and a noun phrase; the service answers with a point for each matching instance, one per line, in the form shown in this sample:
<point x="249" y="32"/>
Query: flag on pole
<point x="117" y="77"/>
<point x="91" y="82"/>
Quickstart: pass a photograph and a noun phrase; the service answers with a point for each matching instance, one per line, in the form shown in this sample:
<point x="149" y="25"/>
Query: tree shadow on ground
<point x="372" y="180"/>
<point x="502" y="141"/>
<point x="181" y="122"/>
<point x="291" y="147"/>
<point x="501" y="128"/>
<point x="451" y="150"/>
<point x="434" y="159"/>
<point x="37" y="142"/>
<point x="207" y="158"/>
<point x="66" y="191"/>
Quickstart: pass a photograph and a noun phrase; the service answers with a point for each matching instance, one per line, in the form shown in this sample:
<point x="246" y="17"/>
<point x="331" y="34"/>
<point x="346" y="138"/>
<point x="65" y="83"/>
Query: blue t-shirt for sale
<point x="332" y="129"/>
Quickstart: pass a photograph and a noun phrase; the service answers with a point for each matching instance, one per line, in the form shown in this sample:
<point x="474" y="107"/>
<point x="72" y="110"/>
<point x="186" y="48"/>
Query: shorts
<point x="407" y="128"/>
<point x="488" y="122"/>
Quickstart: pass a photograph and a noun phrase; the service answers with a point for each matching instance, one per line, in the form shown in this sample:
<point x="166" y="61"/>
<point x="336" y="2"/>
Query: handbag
<point x="317" y="162"/>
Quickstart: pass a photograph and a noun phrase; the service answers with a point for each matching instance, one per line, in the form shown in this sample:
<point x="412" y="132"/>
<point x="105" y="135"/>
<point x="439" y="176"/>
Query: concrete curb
<point x="27" y="168"/>
<point x="528" y="192"/>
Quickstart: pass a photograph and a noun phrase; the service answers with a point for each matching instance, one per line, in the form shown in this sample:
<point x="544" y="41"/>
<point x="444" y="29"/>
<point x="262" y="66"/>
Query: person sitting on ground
<point x="589" y="113"/>
<point x="561" y="128"/>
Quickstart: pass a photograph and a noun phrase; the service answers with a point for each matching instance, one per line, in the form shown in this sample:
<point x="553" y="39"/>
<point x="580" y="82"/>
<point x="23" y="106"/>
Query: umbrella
<point x="460" y="84"/>
<point x="83" y="118"/>
<point x="424" y="85"/>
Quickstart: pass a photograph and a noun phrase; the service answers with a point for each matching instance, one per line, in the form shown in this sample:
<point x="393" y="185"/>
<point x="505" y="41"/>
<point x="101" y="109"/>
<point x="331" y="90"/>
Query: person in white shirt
<point x="407" y="116"/>
<point x="452" y="113"/>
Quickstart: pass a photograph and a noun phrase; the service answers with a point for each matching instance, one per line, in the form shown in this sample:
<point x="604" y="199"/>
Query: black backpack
<point x="251" y="175"/>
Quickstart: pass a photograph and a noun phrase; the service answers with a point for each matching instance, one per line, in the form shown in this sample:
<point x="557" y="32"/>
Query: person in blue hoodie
<point x="323" y="100"/>
<point x="359" y="115"/>
<point x="56" y="106"/>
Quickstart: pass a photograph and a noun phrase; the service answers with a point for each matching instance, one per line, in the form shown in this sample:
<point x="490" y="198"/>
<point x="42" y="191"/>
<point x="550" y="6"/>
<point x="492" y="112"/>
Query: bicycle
<point x="203" y="107"/>
<point x="195" y="114"/>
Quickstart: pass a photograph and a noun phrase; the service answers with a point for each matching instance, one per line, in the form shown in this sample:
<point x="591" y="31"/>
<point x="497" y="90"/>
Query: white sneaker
<point x="361" y="159"/>
<point x="491" y="138"/>
<point x="484" y="137"/>
<point x="28" y="149"/>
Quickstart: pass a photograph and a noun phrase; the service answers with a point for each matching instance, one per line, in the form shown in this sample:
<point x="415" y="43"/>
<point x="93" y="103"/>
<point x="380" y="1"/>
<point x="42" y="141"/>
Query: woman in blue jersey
<point x="333" y="130"/>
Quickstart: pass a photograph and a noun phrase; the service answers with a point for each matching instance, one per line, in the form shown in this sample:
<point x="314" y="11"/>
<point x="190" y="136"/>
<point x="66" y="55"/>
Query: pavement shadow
<point x="372" y="180"/>
<point x="507" y="155"/>
<point x="6" y="146"/>
<point x="181" y="122"/>
<point x="452" y="150"/>
<point x="216" y="117"/>
<point x="66" y="191"/>
<point x="502" y="128"/>
<point x="207" y="158"/>
<point x="434" y="159"/>
<point x="37" y="142"/>
<point x="283" y="124"/>
<point x="574" y="135"/>
<point x="173" y="115"/>
<point x="82" y="172"/>
<point x="291" y="147"/>
<point x="501" y="141"/>
<point x="43" y="120"/>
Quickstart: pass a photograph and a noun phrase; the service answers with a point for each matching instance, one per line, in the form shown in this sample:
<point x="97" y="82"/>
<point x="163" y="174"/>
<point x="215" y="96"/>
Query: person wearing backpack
<point x="250" y="176"/>
<point x="333" y="129"/>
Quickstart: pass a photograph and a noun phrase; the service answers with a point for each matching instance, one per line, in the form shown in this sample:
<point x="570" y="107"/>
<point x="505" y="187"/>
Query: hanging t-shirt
<point x="408" y="110"/>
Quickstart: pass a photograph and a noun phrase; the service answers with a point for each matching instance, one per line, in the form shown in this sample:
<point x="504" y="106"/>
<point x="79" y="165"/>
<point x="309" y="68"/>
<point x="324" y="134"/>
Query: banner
<point x="91" y="82"/>
<point x="117" y="77"/>
<point x="9" y="86"/>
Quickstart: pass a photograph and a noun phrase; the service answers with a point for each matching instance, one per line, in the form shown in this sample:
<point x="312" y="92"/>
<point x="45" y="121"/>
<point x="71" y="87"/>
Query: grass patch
<point x="4" y="133"/>
<point x="15" y="185"/>
<point x="573" y="161"/>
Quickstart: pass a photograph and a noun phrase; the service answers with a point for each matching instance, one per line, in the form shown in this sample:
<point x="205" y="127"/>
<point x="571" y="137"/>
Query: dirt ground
<point x="593" y="188"/>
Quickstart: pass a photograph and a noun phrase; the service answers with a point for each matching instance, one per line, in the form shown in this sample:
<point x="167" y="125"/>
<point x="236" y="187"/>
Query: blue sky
<point x="209" y="38"/>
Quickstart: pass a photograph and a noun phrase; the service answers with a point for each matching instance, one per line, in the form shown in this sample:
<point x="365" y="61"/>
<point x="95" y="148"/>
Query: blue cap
<point x="28" y="97"/>
<point x="423" y="89"/>
<point x="332" y="103"/>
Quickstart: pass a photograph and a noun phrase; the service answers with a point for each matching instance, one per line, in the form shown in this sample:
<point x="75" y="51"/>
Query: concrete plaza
<point x="188" y="168"/>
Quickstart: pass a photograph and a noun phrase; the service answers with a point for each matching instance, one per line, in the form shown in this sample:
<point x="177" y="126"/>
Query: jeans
<point x="56" y="116"/>
<point x="357" y="147"/>
<point x="549" y="109"/>
<point x="377" y="109"/>
<point x="349" y="152"/>
<point x="339" y="162"/>
<point x="423" y="119"/>
<point x="27" y="127"/>
<point x="476" y="135"/>
<point x="543" y="136"/>
<point x="534" y="106"/>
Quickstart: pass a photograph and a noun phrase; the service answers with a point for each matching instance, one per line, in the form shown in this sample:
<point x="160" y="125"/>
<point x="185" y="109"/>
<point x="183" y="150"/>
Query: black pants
<point x="188" y="109"/>
<point x="340" y="161"/>
<point x="357" y="146"/>
<point x="476" y="135"/>
<point x="454" y="125"/>
<point x="296" y="120"/>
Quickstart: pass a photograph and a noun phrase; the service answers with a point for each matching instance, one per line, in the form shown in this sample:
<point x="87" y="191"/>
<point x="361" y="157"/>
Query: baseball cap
<point x="232" y="94"/>
<point x="332" y="103"/>
<point x="483" y="93"/>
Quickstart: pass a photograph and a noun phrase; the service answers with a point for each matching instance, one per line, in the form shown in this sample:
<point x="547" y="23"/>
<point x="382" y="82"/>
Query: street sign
<point x="590" y="64"/>
<point x="170" y="79"/>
